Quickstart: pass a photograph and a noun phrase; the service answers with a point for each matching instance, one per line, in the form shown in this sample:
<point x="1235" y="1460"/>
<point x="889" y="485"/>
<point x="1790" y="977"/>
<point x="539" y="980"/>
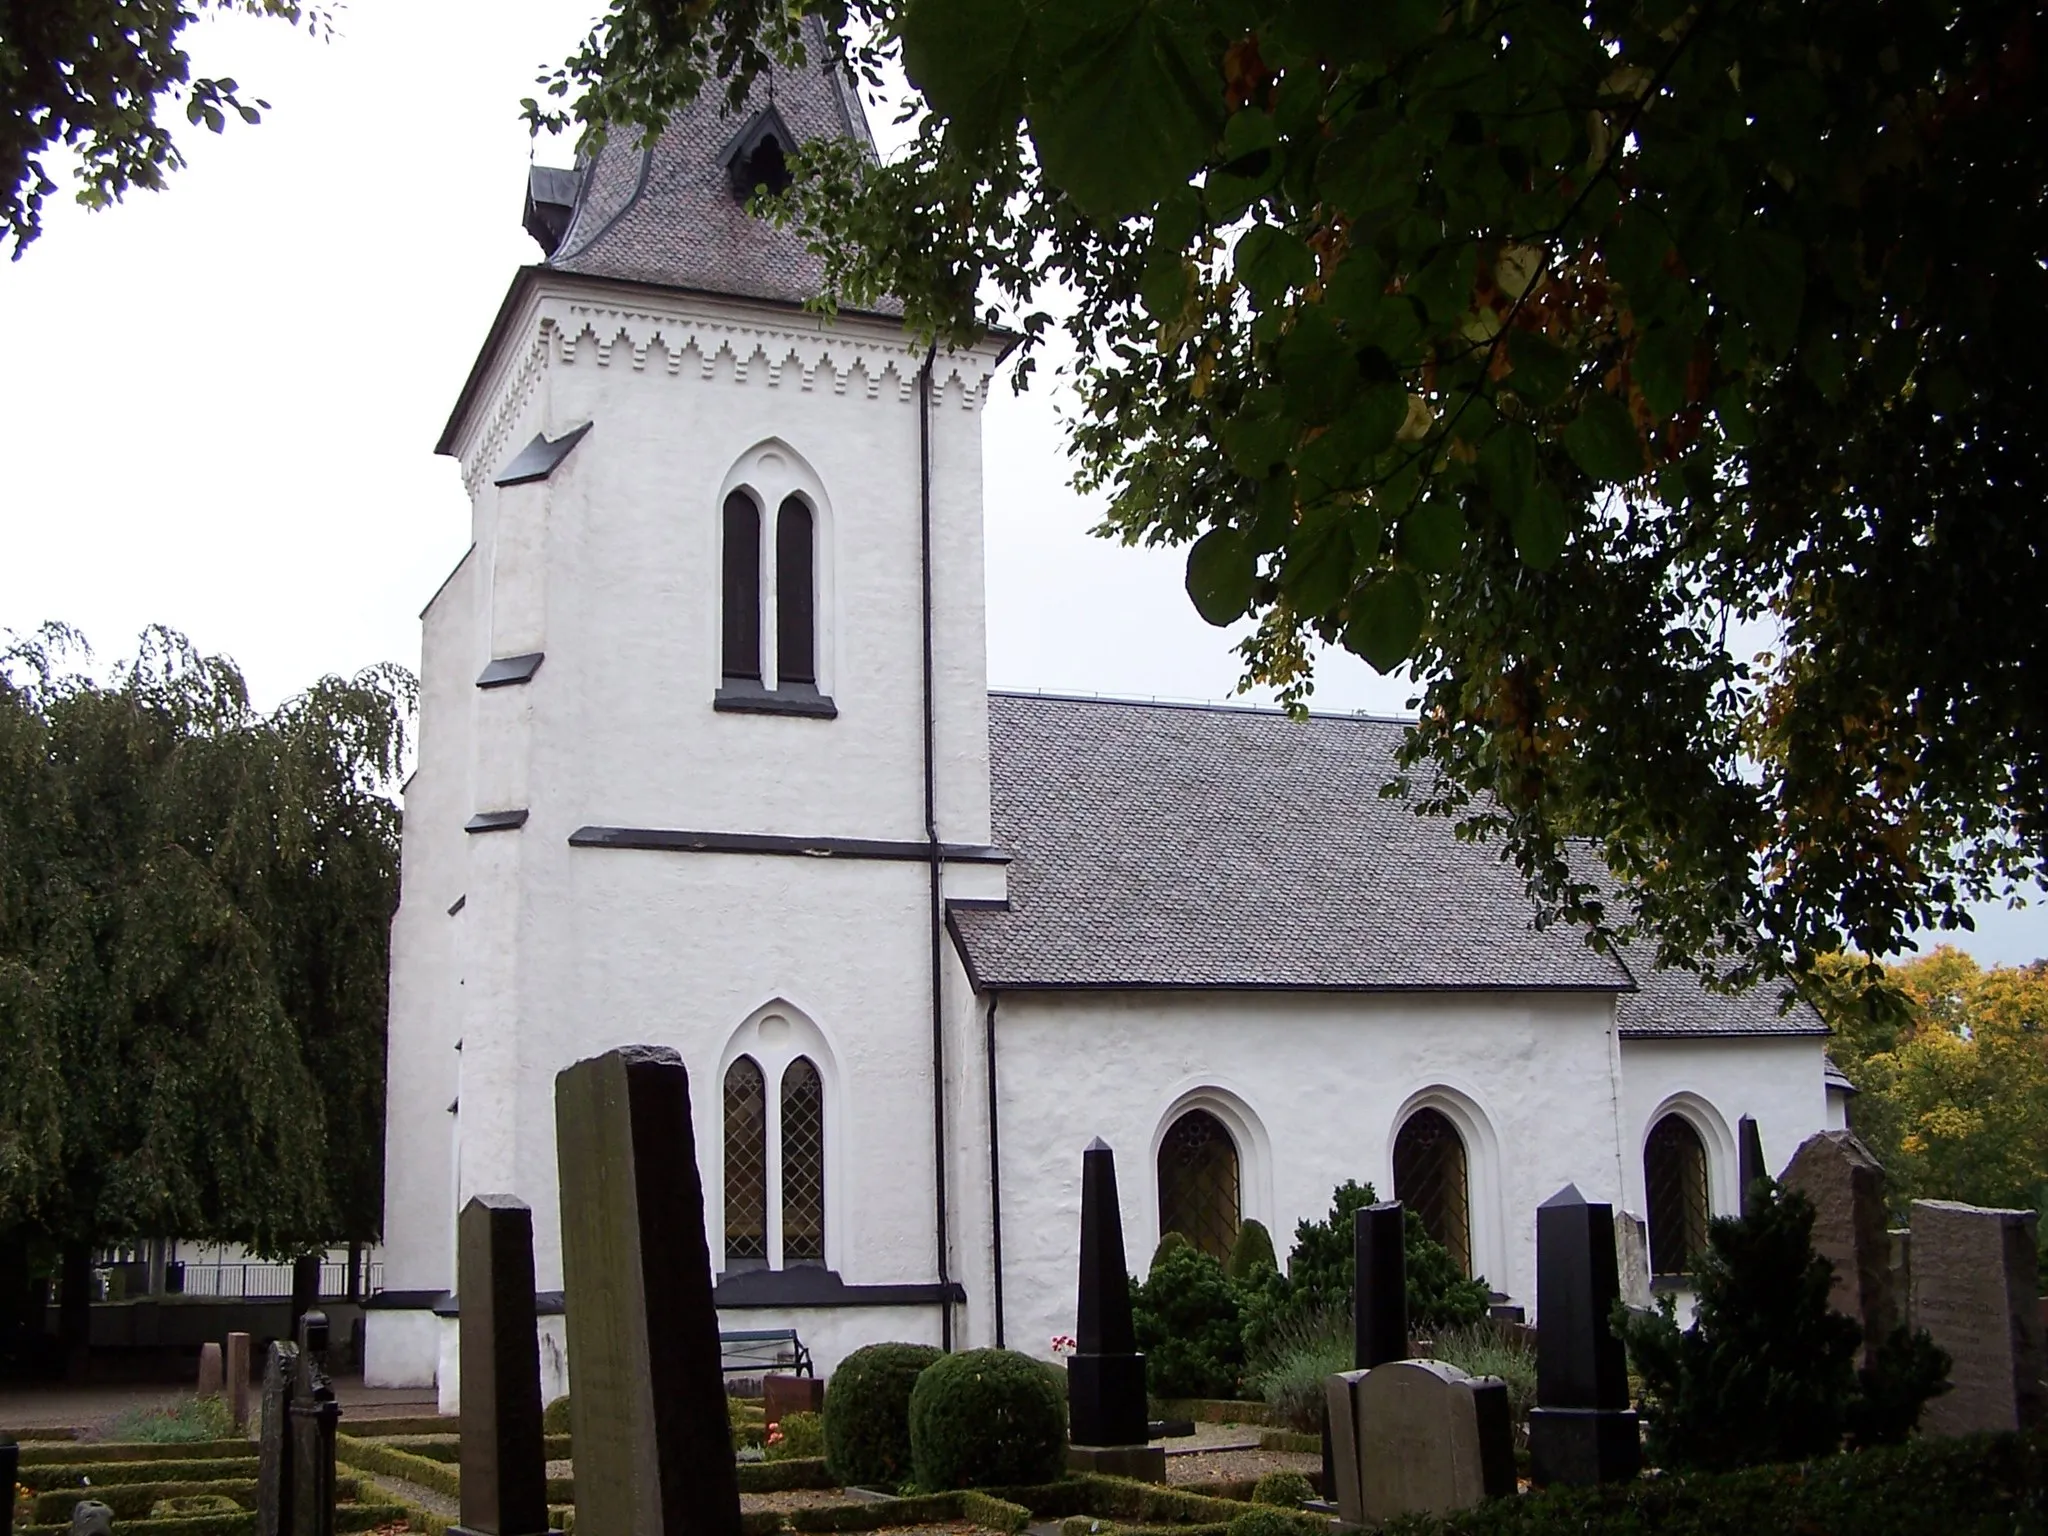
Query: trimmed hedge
<point x="875" y="1514"/>
<point x="782" y="1476"/>
<point x="347" y="1517"/>
<point x="867" y="1413"/>
<point x="418" y="1424"/>
<point x="996" y="1514"/>
<point x="369" y="1456"/>
<point x="58" y="1455"/>
<point x="132" y="1501"/>
<point x="554" y="1419"/>
<point x="986" y="1416"/>
<point x="1292" y="1440"/>
<point x="448" y="1448"/>
<point x="1283" y="1489"/>
<point x="1215" y="1410"/>
<point x="101" y="1474"/>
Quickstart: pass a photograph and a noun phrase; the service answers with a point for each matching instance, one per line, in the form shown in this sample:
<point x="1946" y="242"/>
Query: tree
<point x="194" y="909"/>
<point x="90" y="75"/>
<point x="1560" y="351"/>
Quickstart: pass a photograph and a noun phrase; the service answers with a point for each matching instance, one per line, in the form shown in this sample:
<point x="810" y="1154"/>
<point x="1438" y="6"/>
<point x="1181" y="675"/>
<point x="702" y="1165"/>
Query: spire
<point x="675" y="214"/>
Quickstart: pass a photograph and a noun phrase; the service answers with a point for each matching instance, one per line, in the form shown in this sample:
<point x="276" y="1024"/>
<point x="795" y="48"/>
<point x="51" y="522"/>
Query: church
<point x="708" y="759"/>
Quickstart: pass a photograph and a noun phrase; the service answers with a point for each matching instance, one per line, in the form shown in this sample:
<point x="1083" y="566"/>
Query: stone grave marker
<point x="1976" y="1287"/>
<point x="504" y="1453"/>
<point x="653" y="1442"/>
<point x="1902" y="1273"/>
<point x="1379" y="1296"/>
<point x="1749" y="1161"/>
<point x="790" y="1394"/>
<point x="89" y="1517"/>
<point x="1845" y="1184"/>
<point x="273" y="1446"/>
<point x="1429" y="1439"/>
<point x="1632" y="1260"/>
<point x="1581" y="1431"/>
<point x="1107" y="1414"/>
<point x="211" y="1378"/>
<point x="235" y="1361"/>
<point x="313" y="1416"/>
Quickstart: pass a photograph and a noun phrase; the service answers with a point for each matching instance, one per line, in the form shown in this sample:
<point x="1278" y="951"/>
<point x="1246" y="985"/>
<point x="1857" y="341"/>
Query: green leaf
<point x="1270" y="260"/>
<point x="1166" y="285"/>
<point x="1387" y="616"/>
<point x="1540" y="528"/>
<point x="1663" y="358"/>
<point x="1256" y="443"/>
<point x="1764" y="277"/>
<point x="1538" y="369"/>
<point x="1433" y="536"/>
<point x="1368" y="426"/>
<point x="1221" y="573"/>
<point x="1317" y="572"/>
<point x="1603" y="441"/>
<point x="1507" y="467"/>
<point x="969" y="57"/>
<point x="1318" y="369"/>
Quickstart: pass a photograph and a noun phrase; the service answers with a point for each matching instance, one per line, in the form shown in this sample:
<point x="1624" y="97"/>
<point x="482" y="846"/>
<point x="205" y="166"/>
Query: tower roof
<point x="674" y="214"/>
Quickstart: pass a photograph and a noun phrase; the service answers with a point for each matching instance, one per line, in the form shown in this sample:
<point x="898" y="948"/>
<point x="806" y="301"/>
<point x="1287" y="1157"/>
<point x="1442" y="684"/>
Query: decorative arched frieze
<point x="775" y="1036"/>
<point x="494" y="445"/>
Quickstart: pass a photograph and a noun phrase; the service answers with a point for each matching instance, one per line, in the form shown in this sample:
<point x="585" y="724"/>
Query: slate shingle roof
<point x="1188" y="847"/>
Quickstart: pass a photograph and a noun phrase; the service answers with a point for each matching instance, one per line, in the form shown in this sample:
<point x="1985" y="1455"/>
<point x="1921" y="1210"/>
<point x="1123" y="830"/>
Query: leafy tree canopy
<point x="89" y="76"/>
<point x="1563" y="352"/>
<point x="194" y="909"/>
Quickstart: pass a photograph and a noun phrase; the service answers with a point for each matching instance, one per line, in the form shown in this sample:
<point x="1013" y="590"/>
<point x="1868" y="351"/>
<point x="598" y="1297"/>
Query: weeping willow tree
<point x="195" y="900"/>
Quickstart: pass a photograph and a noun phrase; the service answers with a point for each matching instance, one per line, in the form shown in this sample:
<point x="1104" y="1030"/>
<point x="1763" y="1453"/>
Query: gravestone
<point x="273" y="1446"/>
<point x="1632" y="1261"/>
<point x="1107" y="1415"/>
<point x="235" y="1361"/>
<point x="1428" y="1440"/>
<point x="1749" y="1162"/>
<point x="313" y="1417"/>
<point x="790" y="1394"/>
<point x="653" y="1442"/>
<point x="1845" y="1184"/>
<point x="504" y="1453"/>
<point x="1976" y="1285"/>
<point x="89" y="1517"/>
<point x="1902" y="1273"/>
<point x="1379" y="1296"/>
<point x="1581" y="1430"/>
<point x="10" y="1465"/>
<point x="211" y="1378"/>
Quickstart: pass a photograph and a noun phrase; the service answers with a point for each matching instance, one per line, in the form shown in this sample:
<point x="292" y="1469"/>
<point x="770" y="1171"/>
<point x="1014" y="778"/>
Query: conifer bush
<point x="1251" y="1256"/>
<point x="986" y="1418"/>
<point x="1285" y="1489"/>
<point x="867" y="1413"/>
<point x="1190" y="1325"/>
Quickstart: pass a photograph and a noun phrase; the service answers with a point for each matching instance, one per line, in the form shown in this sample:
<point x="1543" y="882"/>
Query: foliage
<point x="90" y="75"/>
<point x="796" y="1437"/>
<point x="1286" y="1489"/>
<point x="1556" y="352"/>
<point x="1909" y="1370"/>
<point x="1263" y="1519"/>
<point x="1321" y="1268"/>
<point x="184" y="1506"/>
<point x="1302" y="1351"/>
<point x="986" y="1418"/>
<point x="554" y="1419"/>
<point x="195" y="904"/>
<point x="1766" y="1371"/>
<point x="1251" y="1256"/>
<point x="1952" y="1063"/>
<point x="179" y="1423"/>
<point x="867" y="1413"/>
<point x="1489" y="1349"/>
<point x="1189" y="1322"/>
<point x="1169" y="1242"/>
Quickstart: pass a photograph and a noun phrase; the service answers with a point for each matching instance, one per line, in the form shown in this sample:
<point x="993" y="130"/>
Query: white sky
<point x="224" y="397"/>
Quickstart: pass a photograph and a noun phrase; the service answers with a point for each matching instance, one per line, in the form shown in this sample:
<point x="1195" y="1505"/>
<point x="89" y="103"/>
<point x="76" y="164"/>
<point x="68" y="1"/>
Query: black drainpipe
<point x="995" y="1176"/>
<point x="931" y="837"/>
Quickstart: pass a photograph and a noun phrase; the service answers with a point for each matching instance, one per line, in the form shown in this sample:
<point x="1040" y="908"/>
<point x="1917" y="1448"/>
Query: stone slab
<point x="1632" y="1260"/>
<point x="1976" y="1289"/>
<point x="1845" y="1183"/>
<point x="1142" y="1463"/>
<point x="235" y="1361"/>
<point x="1430" y="1440"/>
<point x="790" y="1394"/>
<point x="212" y="1372"/>
<point x="504" y="1453"/>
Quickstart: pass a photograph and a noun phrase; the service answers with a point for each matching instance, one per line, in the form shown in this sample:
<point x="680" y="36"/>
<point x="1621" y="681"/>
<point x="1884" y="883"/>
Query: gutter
<point x="936" y="858"/>
<point x="995" y="1178"/>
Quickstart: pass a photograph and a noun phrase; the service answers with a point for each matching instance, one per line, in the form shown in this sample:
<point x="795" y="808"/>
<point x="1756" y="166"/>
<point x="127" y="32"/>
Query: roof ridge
<point x="1197" y="706"/>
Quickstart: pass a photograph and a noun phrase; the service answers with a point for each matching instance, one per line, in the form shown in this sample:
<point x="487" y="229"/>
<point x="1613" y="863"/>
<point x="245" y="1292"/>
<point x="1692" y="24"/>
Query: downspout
<point x="931" y="836"/>
<point x="995" y="1176"/>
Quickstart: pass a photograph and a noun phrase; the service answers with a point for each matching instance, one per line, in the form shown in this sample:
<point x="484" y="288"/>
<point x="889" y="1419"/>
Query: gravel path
<point x="1217" y="1466"/>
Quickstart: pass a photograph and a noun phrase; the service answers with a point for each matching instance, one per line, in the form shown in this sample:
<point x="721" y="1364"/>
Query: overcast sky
<point x="223" y="398"/>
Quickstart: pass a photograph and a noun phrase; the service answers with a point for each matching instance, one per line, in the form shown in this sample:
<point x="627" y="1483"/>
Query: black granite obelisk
<point x="1749" y="1161"/>
<point x="1379" y="1298"/>
<point x="313" y="1417"/>
<point x="1106" y="1374"/>
<point x="504" y="1454"/>
<point x="1581" y="1430"/>
<point x="648" y="1413"/>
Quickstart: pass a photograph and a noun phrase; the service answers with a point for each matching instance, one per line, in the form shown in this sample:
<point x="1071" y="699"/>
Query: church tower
<point x="703" y="750"/>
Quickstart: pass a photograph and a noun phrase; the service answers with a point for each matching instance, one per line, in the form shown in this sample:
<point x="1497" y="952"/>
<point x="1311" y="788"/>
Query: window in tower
<point x="796" y="640"/>
<point x="746" y="1166"/>
<point x="740" y="599"/>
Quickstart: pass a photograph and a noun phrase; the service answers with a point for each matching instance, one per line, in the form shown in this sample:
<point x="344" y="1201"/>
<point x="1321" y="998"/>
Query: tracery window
<point x="1199" y="1185"/>
<point x="1675" y="1177"/>
<point x="746" y="1166"/>
<point x="1431" y="1178"/>
<point x="803" y="1164"/>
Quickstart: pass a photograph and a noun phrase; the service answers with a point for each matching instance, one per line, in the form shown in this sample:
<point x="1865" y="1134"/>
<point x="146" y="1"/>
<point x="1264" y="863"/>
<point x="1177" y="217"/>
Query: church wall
<point x="1314" y="1089"/>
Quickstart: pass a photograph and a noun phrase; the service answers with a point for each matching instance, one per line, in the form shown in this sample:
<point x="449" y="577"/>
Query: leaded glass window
<point x="1675" y="1175"/>
<point x="1198" y="1183"/>
<point x="1432" y="1180"/>
<point x="746" y="1165"/>
<point x="803" y="1164"/>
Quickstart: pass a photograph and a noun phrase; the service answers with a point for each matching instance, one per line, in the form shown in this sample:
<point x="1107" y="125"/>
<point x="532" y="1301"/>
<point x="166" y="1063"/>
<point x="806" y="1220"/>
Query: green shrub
<point x="1286" y="1489"/>
<point x="185" y="1505"/>
<point x="195" y="1418"/>
<point x="1488" y="1349"/>
<point x="1189" y="1322"/>
<point x="867" y="1413"/>
<point x="1766" y="1372"/>
<point x="1169" y="1242"/>
<point x="1264" y="1520"/>
<point x="1302" y="1351"/>
<point x="986" y="1418"/>
<point x="1251" y="1256"/>
<point x="796" y="1437"/>
<point x="554" y="1419"/>
<point x="1320" y="1269"/>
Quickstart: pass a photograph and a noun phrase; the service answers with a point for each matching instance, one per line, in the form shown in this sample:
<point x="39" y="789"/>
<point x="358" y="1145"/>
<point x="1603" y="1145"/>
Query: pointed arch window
<point x="1432" y="1178"/>
<point x="772" y="595"/>
<point x="803" y="1164"/>
<point x="1198" y="1184"/>
<point x="740" y="593"/>
<point x="796" y="629"/>
<point x="1675" y="1178"/>
<point x="746" y="1166"/>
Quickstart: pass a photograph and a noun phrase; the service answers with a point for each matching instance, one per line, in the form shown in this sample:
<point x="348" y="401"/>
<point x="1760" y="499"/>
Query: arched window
<point x="803" y="1164"/>
<point x="1198" y="1183"/>
<point x="1675" y="1176"/>
<point x="796" y="642"/>
<point x="746" y="1166"/>
<point x="1431" y="1179"/>
<point x="740" y="600"/>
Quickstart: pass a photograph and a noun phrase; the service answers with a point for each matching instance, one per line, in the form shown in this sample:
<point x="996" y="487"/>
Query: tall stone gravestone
<point x="1845" y="1186"/>
<point x="1379" y="1334"/>
<point x="1632" y="1260"/>
<point x="653" y="1443"/>
<point x="1581" y="1430"/>
<point x="211" y="1378"/>
<point x="504" y="1453"/>
<point x="1430" y="1439"/>
<point x="273" y="1450"/>
<point x="10" y="1464"/>
<point x="235" y="1361"/>
<point x="1107" y="1415"/>
<point x="1749" y="1161"/>
<point x="1976" y="1285"/>
<point x="313" y="1416"/>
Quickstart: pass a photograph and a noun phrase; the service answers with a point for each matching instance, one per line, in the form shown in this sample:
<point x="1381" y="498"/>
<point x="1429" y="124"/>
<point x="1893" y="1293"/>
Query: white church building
<point x="708" y="759"/>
